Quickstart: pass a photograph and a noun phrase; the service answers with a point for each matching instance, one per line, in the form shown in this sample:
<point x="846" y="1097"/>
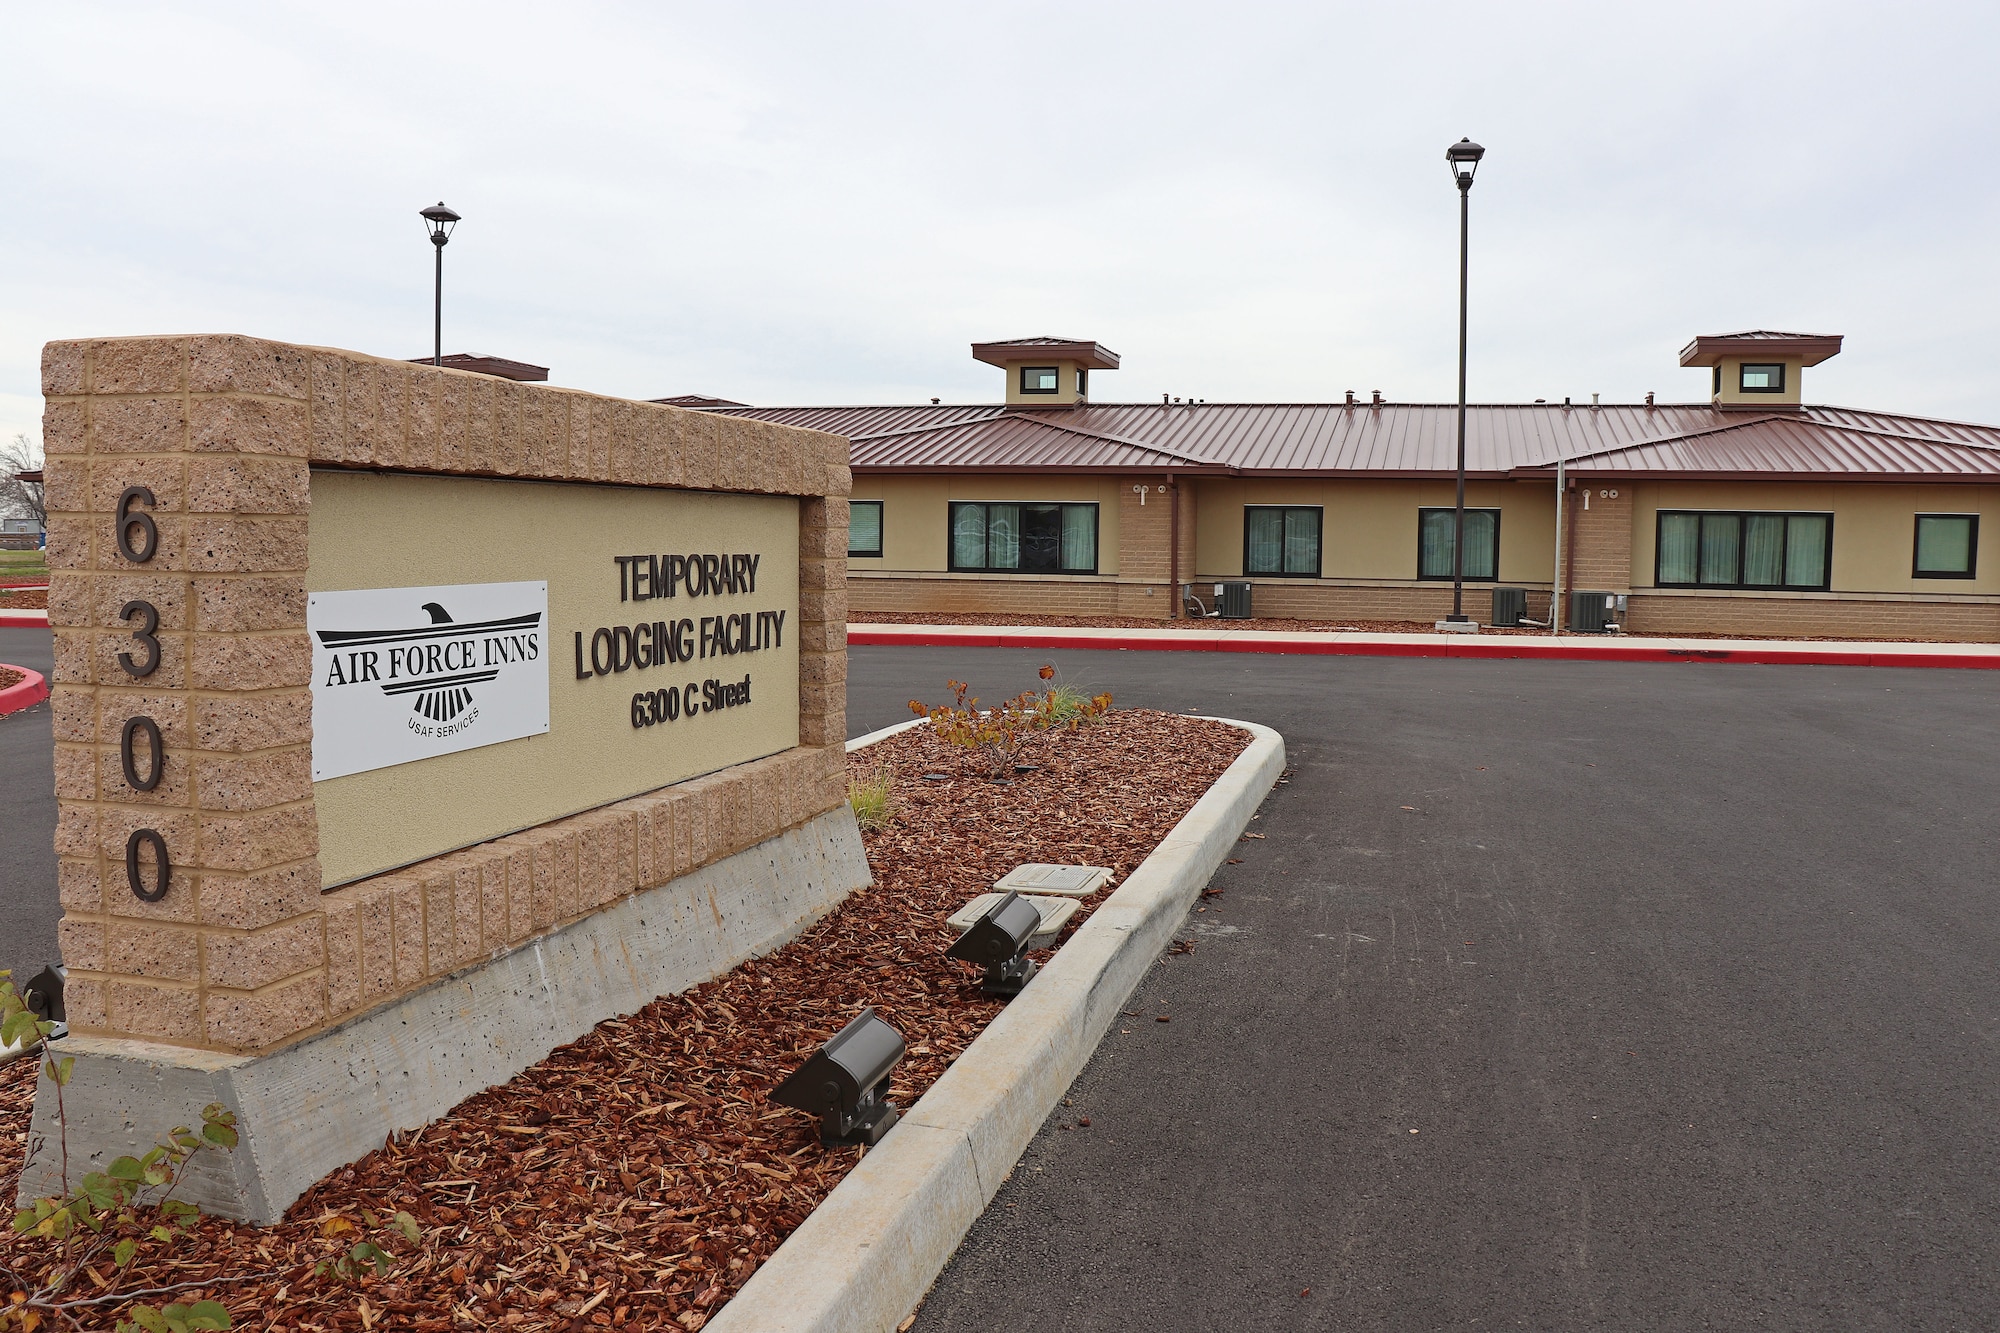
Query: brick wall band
<point x="244" y="952"/>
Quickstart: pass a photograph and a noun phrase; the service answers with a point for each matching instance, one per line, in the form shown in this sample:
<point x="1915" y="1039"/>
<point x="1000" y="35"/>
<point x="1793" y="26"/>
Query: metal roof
<point x="1799" y="448"/>
<point x="1009" y="350"/>
<point x="1405" y="439"/>
<point x="1810" y="348"/>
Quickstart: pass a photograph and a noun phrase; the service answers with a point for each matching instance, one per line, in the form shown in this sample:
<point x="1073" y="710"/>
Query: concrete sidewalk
<point x="1337" y="643"/>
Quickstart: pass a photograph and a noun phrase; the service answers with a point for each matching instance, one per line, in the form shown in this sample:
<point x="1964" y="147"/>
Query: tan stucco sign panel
<point x="671" y="648"/>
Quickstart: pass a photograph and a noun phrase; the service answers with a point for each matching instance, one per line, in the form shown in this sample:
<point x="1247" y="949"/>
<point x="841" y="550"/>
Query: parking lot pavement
<point x="1555" y="996"/>
<point x="28" y="907"/>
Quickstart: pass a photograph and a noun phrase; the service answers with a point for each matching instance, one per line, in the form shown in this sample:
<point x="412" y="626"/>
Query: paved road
<point x="28" y="907"/>
<point x="1559" y="996"/>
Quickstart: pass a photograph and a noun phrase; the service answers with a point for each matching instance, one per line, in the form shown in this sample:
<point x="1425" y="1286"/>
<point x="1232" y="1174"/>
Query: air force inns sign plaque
<point x="401" y="674"/>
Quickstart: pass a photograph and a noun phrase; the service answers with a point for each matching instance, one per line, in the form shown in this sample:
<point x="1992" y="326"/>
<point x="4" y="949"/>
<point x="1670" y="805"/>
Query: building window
<point x="1710" y="549"/>
<point x="1281" y="540"/>
<point x="1761" y="379"/>
<point x="1023" y="538"/>
<point x="864" y="528"/>
<point x="1082" y="381"/>
<point x="1947" y="545"/>
<point x="1040" y="379"/>
<point x="1436" y="529"/>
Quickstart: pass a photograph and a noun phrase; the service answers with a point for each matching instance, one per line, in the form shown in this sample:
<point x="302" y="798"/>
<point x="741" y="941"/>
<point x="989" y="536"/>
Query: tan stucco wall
<point x="1874" y="527"/>
<point x="1732" y="395"/>
<point x="1370" y="527"/>
<point x="1065" y="393"/>
<point x="916" y="514"/>
<point x="377" y="530"/>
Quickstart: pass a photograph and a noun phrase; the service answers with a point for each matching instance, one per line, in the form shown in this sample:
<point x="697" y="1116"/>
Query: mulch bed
<point x="35" y="599"/>
<point x="1294" y="626"/>
<point x="9" y="676"/>
<point x="637" y="1177"/>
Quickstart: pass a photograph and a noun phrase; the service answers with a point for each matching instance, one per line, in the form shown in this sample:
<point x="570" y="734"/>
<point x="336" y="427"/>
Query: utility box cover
<point x="1062" y="881"/>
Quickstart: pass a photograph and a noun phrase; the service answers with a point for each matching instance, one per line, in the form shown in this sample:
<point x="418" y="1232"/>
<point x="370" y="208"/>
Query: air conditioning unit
<point x="1592" y="612"/>
<point x="1509" y="606"/>
<point x="1232" y="600"/>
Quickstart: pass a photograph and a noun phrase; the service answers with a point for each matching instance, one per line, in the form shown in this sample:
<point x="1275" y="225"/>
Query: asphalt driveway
<point x="1555" y="996"/>
<point x="28" y="906"/>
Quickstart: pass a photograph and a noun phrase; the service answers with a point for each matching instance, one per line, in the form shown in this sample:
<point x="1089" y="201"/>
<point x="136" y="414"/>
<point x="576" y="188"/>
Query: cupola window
<point x="1040" y="379"/>
<point x="1762" y="378"/>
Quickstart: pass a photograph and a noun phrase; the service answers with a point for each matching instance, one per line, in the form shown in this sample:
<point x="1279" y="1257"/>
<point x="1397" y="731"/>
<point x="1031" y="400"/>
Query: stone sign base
<point x="309" y="1109"/>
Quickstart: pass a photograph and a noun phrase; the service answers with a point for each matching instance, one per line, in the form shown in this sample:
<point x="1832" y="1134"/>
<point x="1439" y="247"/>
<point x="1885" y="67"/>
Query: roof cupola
<point x="1758" y="368"/>
<point x="1046" y="372"/>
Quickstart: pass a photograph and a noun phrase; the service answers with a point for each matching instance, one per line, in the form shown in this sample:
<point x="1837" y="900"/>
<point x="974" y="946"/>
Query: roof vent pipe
<point x="1649" y="397"/>
<point x="1350" y="397"/>
<point x="1593" y="402"/>
<point x="1376" y="394"/>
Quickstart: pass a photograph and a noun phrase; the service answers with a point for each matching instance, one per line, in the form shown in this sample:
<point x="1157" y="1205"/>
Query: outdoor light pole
<point x="441" y="220"/>
<point x="1463" y="158"/>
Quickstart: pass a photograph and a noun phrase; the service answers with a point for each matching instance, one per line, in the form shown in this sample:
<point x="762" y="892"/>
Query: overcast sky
<point x="827" y="203"/>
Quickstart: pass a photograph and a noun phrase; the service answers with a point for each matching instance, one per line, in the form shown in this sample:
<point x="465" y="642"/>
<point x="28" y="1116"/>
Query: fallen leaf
<point x="1409" y="807"/>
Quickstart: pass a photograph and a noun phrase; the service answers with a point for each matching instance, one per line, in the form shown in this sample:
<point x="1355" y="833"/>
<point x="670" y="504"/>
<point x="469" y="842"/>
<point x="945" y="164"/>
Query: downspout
<point x="1173" y="548"/>
<point x="1555" y="598"/>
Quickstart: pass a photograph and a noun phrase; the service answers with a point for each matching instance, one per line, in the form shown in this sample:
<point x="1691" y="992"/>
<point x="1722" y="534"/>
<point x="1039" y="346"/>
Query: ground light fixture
<point x="1463" y="159"/>
<point x="846" y="1082"/>
<point x="998" y="942"/>
<point x="439" y="220"/>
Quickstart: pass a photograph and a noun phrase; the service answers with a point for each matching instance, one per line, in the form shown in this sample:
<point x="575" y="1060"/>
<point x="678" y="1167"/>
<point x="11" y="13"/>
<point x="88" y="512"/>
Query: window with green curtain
<point x="1302" y="541"/>
<point x="864" y="528"/>
<point x="1764" y="550"/>
<point x="1281" y="540"/>
<point x="1680" y="548"/>
<point x="1436" y="533"/>
<point x="968" y="536"/>
<point x="1732" y="549"/>
<point x="1721" y="549"/>
<point x="1079" y="537"/>
<point x="1014" y="538"/>
<point x="1806" y="550"/>
<point x="1947" y="546"/>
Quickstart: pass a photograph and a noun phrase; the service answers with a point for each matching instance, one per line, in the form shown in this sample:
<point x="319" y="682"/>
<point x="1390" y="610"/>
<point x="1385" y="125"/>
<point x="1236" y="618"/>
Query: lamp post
<point x="440" y="220"/>
<point x="1463" y="158"/>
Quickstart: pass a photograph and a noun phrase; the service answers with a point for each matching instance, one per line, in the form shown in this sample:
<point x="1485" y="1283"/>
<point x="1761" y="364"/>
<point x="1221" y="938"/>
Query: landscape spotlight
<point x="845" y="1082"/>
<point x="998" y="941"/>
<point x="44" y="996"/>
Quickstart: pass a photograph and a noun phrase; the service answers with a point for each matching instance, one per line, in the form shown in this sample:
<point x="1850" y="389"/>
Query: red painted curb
<point x="29" y="619"/>
<point x="1478" y="649"/>
<point x="23" y="693"/>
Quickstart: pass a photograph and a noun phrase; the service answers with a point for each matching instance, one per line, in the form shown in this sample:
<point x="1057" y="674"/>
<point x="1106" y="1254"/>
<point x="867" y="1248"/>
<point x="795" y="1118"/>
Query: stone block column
<point x="185" y="622"/>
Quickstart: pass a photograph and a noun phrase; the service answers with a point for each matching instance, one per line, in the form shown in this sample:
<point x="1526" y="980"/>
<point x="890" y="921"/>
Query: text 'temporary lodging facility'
<point x="1751" y="513"/>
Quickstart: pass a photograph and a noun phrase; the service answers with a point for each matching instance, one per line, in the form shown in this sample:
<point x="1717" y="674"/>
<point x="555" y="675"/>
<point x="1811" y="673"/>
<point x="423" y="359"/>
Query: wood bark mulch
<point x="1300" y="626"/>
<point x="637" y="1177"/>
<point x="26" y="599"/>
<point x="10" y="676"/>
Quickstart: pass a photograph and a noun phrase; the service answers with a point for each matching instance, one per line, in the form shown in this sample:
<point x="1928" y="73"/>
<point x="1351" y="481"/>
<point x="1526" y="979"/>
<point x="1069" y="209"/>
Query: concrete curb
<point x="863" y="742"/>
<point x="30" y="690"/>
<point x="867" y="1255"/>
<point x="1737" y="651"/>
<point x="29" y="619"/>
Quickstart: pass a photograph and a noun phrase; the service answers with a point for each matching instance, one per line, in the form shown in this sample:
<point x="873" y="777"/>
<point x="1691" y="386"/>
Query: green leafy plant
<point x="1005" y="732"/>
<point x="873" y="797"/>
<point x="102" y="1216"/>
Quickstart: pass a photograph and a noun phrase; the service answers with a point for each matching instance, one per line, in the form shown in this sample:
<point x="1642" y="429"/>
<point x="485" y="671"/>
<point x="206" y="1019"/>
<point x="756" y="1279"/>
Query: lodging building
<point x="1754" y="512"/>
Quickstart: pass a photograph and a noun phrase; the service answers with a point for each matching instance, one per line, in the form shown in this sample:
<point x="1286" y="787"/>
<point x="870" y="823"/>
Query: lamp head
<point x="998" y="942"/>
<point x="845" y="1081"/>
<point x="441" y="221"/>
<point x="1463" y="158"/>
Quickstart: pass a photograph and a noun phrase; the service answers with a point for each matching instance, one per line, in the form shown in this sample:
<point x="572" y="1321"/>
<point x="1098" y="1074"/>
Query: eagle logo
<point x="433" y="662"/>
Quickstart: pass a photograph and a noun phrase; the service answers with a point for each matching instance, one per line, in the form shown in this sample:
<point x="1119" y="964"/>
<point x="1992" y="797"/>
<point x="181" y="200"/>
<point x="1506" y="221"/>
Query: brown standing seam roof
<point x="1406" y="439"/>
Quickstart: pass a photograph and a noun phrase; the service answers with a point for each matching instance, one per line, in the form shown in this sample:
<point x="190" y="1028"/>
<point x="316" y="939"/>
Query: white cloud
<point x="795" y="203"/>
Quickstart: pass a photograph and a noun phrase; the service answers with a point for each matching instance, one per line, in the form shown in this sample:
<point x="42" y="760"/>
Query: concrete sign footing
<point x="312" y="1108"/>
